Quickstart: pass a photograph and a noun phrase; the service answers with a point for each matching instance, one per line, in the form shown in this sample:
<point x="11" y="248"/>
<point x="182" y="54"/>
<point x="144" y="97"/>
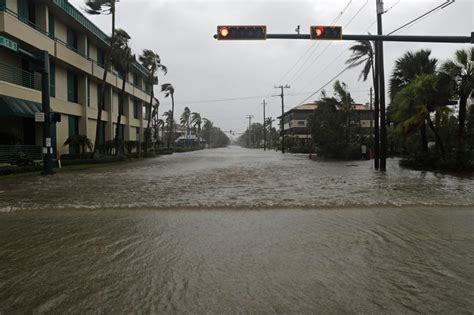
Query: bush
<point x="431" y="161"/>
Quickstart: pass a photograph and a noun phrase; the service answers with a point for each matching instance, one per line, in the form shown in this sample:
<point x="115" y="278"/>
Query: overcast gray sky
<point x="203" y="69"/>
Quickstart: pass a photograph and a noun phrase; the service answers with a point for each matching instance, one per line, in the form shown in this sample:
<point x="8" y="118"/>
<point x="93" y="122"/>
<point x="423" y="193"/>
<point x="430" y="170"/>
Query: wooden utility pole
<point x="249" y="117"/>
<point x="264" y="128"/>
<point x="282" y="125"/>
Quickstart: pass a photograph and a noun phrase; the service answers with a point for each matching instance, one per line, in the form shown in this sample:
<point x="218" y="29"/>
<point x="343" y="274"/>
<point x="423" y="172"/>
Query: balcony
<point x="20" y="77"/>
<point x="32" y="34"/>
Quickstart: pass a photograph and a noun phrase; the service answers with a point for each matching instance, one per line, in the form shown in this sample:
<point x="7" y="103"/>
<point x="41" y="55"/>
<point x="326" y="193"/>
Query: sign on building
<point x="5" y="42"/>
<point x="39" y="117"/>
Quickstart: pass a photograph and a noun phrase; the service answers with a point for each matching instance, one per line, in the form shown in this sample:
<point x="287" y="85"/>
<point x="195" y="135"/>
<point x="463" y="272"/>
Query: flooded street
<point x="237" y="231"/>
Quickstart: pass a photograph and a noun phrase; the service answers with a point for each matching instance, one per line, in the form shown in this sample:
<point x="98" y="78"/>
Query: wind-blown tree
<point x="154" y="118"/>
<point x="461" y="70"/>
<point x="345" y="103"/>
<point x="99" y="7"/>
<point x="122" y="59"/>
<point x="185" y="119"/>
<point x="414" y="104"/>
<point x="152" y="62"/>
<point x="406" y="69"/>
<point x="269" y="126"/>
<point x="80" y="141"/>
<point x="160" y="124"/>
<point x="207" y="130"/>
<point x="196" y="121"/>
<point x="168" y="89"/>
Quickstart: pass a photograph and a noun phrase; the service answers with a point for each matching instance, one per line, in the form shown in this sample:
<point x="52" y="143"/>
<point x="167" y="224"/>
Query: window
<point x="2" y="4"/>
<point x="121" y="131"/>
<point x="100" y="58"/>
<point x="88" y="48"/>
<point x="136" y="109"/>
<point x="99" y="93"/>
<point x="136" y="80"/>
<point x="52" y="79"/>
<point x="88" y="93"/>
<point x="72" y="88"/>
<point x="146" y="114"/>
<point x="73" y="131"/>
<point x="51" y="24"/>
<point x="120" y="104"/>
<point x="26" y="11"/>
<point x="71" y="38"/>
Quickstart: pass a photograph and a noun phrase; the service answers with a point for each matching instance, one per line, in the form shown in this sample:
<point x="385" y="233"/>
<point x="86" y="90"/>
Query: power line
<point x="426" y="14"/>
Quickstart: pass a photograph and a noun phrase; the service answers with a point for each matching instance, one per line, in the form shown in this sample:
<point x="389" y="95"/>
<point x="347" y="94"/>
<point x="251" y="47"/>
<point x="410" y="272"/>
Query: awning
<point x="12" y="106"/>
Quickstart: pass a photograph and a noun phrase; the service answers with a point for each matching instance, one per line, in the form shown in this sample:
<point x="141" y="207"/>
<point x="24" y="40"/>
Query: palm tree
<point x="346" y="102"/>
<point x="207" y="128"/>
<point x="406" y="69"/>
<point x="363" y="52"/>
<point x="152" y="62"/>
<point x="461" y="70"/>
<point x="154" y="118"/>
<point x="98" y="7"/>
<point x="160" y="123"/>
<point x="122" y="58"/>
<point x="196" y="121"/>
<point x="168" y="89"/>
<point x="427" y="93"/>
<point x="184" y="120"/>
<point x="268" y="124"/>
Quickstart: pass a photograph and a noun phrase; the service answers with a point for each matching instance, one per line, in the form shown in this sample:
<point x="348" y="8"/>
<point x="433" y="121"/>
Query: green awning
<point x="12" y="106"/>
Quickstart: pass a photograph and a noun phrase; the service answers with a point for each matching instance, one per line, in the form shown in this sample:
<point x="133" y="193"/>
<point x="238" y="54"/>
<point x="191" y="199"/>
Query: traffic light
<point x="241" y="32"/>
<point x="326" y="32"/>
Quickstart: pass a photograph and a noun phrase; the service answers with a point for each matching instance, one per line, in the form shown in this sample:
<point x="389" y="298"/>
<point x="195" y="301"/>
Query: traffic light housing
<point x="241" y="32"/>
<point x="326" y="32"/>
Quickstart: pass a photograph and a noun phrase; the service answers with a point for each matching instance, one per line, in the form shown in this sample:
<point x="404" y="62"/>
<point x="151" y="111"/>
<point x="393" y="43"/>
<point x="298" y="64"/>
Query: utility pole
<point x="46" y="108"/>
<point x="371" y="107"/>
<point x="282" y="95"/>
<point x="381" y="81"/>
<point x="264" y="128"/>
<point x="249" y="117"/>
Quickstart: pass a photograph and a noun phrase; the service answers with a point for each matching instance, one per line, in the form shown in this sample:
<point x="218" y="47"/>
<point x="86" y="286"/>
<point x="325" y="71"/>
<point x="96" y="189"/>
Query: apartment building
<point x="77" y="52"/>
<point x="295" y="121"/>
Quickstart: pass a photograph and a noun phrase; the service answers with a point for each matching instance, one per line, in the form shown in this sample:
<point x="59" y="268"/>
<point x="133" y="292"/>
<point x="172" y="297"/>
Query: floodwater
<point x="237" y="231"/>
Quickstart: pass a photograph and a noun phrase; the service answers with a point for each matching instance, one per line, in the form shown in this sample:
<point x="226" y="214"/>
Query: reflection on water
<point x="236" y="178"/>
<point x="279" y="234"/>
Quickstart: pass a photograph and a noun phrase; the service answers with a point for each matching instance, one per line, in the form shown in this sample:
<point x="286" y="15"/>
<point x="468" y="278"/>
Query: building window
<point x="73" y="131"/>
<point x="51" y="25"/>
<point x="121" y="132"/>
<point x="72" y="87"/>
<point x="2" y="4"/>
<point x="100" y="57"/>
<point x="88" y="48"/>
<point x="136" y="80"/>
<point x="88" y="93"/>
<point x="71" y="38"/>
<point x="52" y="80"/>
<point x="26" y="11"/>
<point x="120" y="104"/>
<point x="136" y="109"/>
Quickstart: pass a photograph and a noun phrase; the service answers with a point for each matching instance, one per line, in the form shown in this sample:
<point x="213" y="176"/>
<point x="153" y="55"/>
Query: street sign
<point x="5" y="42"/>
<point x="39" y="117"/>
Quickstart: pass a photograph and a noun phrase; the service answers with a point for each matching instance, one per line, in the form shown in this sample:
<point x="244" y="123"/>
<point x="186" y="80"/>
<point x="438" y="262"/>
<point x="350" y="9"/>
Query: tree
<point x="122" y="59"/>
<point x="185" y="119"/>
<point x="152" y="62"/>
<point x="98" y="7"/>
<point x="407" y="67"/>
<point x="461" y="70"/>
<point x="196" y="121"/>
<point x="160" y="124"/>
<point x="207" y="130"/>
<point x="414" y="104"/>
<point x="168" y="89"/>
<point x="154" y="118"/>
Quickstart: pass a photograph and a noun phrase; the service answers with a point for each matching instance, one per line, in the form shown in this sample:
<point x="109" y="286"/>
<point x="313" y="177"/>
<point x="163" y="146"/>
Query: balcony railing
<point x="21" y="77"/>
<point x="63" y="5"/>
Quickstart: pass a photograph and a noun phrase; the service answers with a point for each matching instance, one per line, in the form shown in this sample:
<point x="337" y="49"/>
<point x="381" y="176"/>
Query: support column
<point x="83" y="100"/>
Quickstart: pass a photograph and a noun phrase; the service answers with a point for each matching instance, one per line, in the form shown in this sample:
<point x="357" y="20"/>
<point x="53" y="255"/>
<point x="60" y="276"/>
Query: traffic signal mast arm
<point x="259" y="32"/>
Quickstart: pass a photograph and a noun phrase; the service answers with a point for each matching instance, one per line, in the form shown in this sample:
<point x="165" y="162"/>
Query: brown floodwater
<point x="237" y="231"/>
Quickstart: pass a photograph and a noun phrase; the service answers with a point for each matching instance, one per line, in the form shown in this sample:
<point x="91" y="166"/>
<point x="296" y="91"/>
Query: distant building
<point x="296" y="127"/>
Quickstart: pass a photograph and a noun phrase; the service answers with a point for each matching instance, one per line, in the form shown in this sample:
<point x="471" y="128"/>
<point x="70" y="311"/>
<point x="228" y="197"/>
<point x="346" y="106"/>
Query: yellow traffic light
<point x="241" y="32"/>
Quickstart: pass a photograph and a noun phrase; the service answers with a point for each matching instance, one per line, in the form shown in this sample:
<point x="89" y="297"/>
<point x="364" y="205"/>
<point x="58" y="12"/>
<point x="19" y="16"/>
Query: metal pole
<point x="282" y="95"/>
<point x="264" y="129"/>
<point x="371" y="107"/>
<point x="381" y="80"/>
<point x="47" y="145"/>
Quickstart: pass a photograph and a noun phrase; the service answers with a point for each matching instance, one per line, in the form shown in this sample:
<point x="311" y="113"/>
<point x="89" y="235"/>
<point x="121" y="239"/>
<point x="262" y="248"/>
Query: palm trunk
<point x="119" y="115"/>
<point x="462" y="121"/>
<point x="148" y="132"/>
<point x="172" y="121"/>
<point x="101" y="104"/>
<point x="439" y="142"/>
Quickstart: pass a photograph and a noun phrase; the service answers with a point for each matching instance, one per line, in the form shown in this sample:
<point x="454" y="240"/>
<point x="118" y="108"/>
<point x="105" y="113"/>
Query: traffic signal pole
<point x="46" y="108"/>
<point x="381" y="85"/>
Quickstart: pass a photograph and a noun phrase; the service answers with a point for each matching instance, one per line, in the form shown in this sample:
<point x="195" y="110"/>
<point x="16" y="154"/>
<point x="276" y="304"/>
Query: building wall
<point x="64" y="59"/>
